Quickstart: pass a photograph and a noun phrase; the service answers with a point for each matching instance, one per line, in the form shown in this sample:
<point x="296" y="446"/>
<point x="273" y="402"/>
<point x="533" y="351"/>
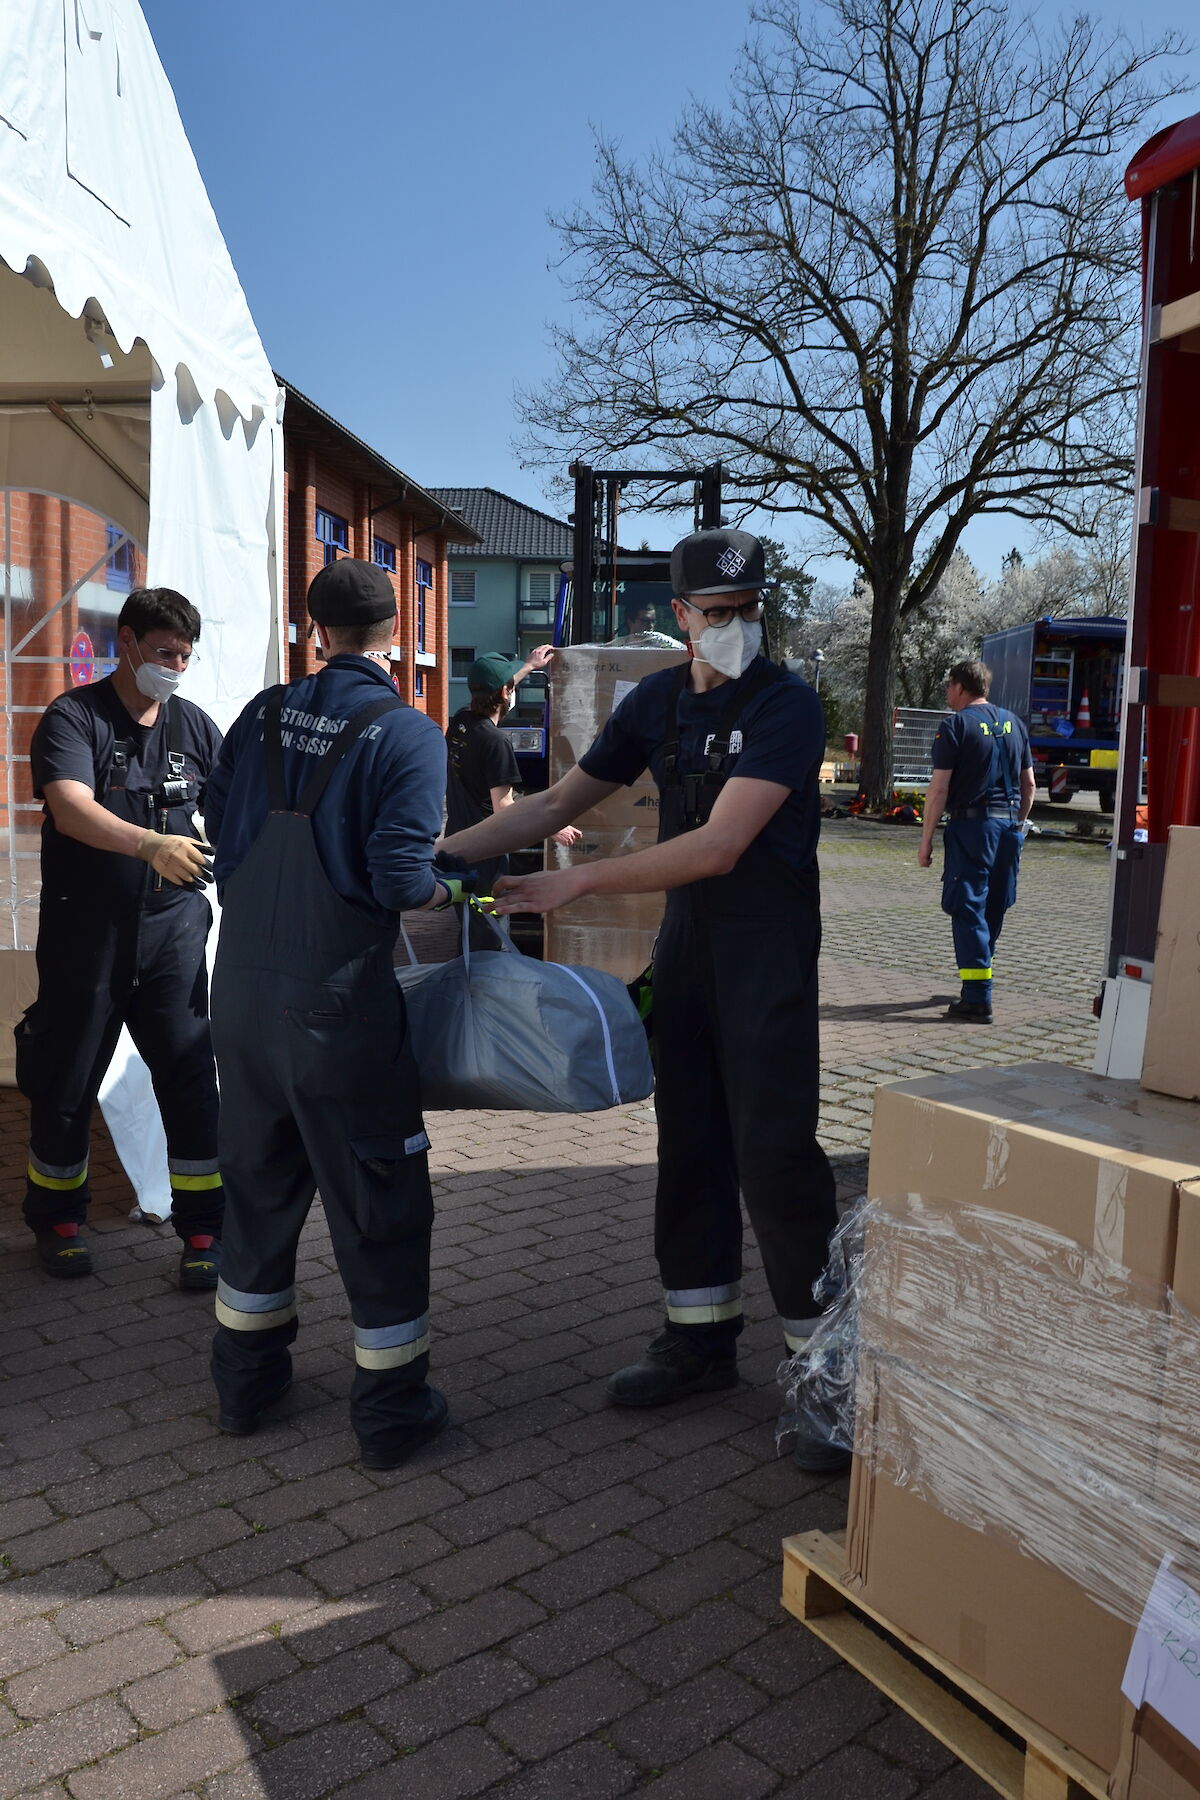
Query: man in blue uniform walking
<point x="983" y="776"/>
<point x="324" y="807"/>
<point x="735" y="746"/>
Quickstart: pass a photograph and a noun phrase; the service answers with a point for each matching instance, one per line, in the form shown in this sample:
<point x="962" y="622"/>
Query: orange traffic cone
<point x="1083" y="718"/>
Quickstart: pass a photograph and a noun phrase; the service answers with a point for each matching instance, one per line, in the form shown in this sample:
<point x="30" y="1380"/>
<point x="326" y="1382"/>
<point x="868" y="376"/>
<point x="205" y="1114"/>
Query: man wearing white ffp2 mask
<point x="734" y="745"/>
<point x="122" y="765"/>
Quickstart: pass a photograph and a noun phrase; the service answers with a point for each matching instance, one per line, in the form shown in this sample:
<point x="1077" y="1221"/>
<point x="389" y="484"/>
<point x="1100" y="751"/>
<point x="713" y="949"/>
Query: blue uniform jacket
<point x="376" y="823"/>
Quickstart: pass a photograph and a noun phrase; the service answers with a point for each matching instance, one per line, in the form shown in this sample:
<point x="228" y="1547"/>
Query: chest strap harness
<point x="700" y="787"/>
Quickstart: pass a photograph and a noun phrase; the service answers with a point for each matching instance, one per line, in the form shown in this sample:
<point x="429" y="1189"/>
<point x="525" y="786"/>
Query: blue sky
<point x="382" y="172"/>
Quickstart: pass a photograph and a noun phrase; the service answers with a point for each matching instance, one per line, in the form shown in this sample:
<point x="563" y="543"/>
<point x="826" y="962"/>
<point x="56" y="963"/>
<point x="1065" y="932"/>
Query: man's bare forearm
<point x="80" y="816"/>
<point x="526" y="821"/>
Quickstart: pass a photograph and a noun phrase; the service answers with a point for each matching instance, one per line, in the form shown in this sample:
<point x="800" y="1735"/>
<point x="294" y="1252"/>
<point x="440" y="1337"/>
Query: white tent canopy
<point x="132" y="378"/>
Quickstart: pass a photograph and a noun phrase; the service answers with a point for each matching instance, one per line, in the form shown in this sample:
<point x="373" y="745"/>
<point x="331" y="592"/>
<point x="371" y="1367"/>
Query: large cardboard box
<point x="1103" y="1164"/>
<point x="1156" y="1762"/>
<point x="1171" y="1062"/>
<point x="614" y="932"/>
<point x="18" y="990"/>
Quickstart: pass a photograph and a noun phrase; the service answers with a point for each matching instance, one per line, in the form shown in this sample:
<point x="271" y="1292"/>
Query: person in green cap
<point x="482" y="770"/>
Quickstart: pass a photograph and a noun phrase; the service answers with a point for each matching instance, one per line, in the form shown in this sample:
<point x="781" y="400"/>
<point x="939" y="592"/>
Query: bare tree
<point x="892" y="286"/>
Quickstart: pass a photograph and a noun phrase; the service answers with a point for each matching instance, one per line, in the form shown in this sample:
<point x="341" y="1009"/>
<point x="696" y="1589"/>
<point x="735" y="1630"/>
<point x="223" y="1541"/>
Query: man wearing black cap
<point x="324" y="807"/>
<point x="735" y="747"/>
<point x="482" y="768"/>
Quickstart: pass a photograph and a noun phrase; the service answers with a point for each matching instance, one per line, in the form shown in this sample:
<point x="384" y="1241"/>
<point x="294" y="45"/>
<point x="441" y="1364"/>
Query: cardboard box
<point x="614" y="932"/>
<point x="1171" y="1063"/>
<point x="18" y="990"/>
<point x="1104" y="1165"/>
<point x="1156" y="1762"/>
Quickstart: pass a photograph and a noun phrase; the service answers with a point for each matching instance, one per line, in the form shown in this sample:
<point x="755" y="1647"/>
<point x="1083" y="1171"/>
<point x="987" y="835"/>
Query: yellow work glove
<point x="179" y="860"/>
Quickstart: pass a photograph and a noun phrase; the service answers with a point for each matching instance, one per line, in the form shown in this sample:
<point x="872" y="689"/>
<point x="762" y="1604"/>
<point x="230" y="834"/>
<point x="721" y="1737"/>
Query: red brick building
<point x="343" y="499"/>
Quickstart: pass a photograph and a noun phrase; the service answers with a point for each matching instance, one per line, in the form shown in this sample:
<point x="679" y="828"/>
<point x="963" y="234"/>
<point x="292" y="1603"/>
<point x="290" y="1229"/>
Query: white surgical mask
<point x="730" y="649"/>
<point x="155" y="682"/>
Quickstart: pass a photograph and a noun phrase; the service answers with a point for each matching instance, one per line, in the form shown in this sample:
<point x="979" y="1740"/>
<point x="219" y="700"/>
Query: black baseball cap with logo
<point x="719" y="561"/>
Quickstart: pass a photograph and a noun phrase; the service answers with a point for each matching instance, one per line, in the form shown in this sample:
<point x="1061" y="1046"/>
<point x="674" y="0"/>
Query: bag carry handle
<point x="506" y="942"/>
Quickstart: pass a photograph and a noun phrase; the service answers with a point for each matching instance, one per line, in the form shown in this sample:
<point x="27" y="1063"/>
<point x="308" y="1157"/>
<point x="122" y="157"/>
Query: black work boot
<point x="395" y="1449"/>
<point x="672" y="1367"/>
<point x="63" y="1252"/>
<point x="199" y="1262"/>
<point x="245" y="1424"/>
<point x="969" y="1012"/>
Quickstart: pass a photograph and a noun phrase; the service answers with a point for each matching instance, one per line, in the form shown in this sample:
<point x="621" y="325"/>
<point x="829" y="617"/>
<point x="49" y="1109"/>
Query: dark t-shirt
<point x="779" y="737"/>
<point x="86" y="735"/>
<point x="978" y="745"/>
<point x="479" y="758"/>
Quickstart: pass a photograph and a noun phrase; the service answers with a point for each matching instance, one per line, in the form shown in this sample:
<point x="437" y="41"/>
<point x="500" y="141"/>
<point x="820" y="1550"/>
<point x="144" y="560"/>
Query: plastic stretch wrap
<point x="614" y="932"/>
<point x="1026" y="1386"/>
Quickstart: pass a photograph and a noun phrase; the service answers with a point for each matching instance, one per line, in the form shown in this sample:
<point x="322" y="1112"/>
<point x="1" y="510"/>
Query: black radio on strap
<point x="761" y="674"/>
<point x="318" y="781"/>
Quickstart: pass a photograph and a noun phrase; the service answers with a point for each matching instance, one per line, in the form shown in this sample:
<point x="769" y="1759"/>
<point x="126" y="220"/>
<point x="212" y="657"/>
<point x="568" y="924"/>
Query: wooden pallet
<point x="814" y="1589"/>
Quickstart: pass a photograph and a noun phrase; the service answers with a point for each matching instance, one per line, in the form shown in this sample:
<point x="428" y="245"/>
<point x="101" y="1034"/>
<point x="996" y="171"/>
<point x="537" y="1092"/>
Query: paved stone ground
<point x="557" y="1599"/>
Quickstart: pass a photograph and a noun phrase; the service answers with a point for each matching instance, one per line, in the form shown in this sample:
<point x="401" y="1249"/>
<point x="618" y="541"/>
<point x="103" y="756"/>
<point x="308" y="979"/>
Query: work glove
<point x="456" y="892"/>
<point x="180" y="860"/>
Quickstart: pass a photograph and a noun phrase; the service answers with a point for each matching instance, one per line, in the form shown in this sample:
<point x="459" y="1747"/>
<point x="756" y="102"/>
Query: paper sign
<point x="620" y="689"/>
<point x="1163" y="1670"/>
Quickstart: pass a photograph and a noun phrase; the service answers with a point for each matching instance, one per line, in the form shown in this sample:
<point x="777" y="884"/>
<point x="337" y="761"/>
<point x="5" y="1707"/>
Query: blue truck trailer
<point x="1065" y="679"/>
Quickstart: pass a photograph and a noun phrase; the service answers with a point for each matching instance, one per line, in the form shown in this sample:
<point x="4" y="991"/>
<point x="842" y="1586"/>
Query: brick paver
<point x="557" y="1599"/>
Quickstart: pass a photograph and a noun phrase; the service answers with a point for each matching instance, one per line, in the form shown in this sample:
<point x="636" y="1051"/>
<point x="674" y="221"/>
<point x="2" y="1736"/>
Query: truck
<point x="1064" y="678"/>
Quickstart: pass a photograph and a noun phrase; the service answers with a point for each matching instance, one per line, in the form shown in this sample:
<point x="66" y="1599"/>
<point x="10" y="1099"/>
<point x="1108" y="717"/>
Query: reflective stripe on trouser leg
<point x="975" y="974"/>
<point x="193" y="1177"/>
<point x="57" y="1178"/>
<point x="391" y="1346"/>
<point x="254" y="1312"/>
<point x="797" y="1332"/>
<point x="704" y="1306"/>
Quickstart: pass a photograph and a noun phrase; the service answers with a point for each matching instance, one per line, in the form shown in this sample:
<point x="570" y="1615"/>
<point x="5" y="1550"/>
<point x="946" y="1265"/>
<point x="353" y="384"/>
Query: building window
<point x="539" y="598"/>
<point x="462" y="587"/>
<point x="460" y="662"/>
<point x="384" y="554"/>
<point x="118" y="571"/>
<point x="333" y="532"/>
<point x="419" y="683"/>
<point x="424" y="589"/>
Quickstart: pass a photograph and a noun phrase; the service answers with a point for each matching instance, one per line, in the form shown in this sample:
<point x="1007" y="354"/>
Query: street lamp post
<point x="818" y="657"/>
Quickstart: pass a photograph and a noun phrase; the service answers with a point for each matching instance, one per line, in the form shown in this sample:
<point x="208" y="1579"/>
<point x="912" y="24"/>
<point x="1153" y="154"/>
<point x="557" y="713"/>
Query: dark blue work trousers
<point x="979" y="884"/>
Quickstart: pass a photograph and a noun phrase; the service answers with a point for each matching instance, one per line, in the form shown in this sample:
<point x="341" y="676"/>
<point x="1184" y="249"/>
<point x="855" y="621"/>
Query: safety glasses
<point x="750" y="610"/>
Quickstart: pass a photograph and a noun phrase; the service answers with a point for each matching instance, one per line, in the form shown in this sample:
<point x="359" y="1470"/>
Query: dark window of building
<point x="384" y="554"/>
<point x="460" y="662"/>
<point x="424" y="588"/>
<point x="333" y="532"/>
<point x="118" y="571"/>
<point x="462" y="587"/>
<point x="419" y="683"/>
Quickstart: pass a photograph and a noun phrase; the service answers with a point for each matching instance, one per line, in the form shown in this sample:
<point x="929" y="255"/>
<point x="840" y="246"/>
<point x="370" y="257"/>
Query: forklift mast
<point x="596" y="515"/>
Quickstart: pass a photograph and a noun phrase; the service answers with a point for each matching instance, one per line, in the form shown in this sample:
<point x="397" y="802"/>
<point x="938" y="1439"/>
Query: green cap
<point x="488" y="674"/>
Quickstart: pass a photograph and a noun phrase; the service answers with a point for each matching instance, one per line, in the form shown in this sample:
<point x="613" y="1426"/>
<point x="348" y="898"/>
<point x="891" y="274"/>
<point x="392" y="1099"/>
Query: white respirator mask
<point x="155" y="682"/>
<point x="730" y="649"/>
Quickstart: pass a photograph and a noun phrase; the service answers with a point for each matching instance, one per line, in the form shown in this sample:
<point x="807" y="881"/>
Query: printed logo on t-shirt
<point x="735" y="742"/>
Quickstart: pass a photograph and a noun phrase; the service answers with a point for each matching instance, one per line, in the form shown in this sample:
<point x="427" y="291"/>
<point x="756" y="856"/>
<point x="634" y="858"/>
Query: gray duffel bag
<point x="502" y="1031"/>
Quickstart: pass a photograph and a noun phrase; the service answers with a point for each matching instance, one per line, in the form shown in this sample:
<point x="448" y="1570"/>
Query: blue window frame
<point x="333" y="532"/>
<point x="384" y="554"/>
<point x="118" y="571"/>
<point x="419" y="683"/>
<point x="424" y="589"/>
